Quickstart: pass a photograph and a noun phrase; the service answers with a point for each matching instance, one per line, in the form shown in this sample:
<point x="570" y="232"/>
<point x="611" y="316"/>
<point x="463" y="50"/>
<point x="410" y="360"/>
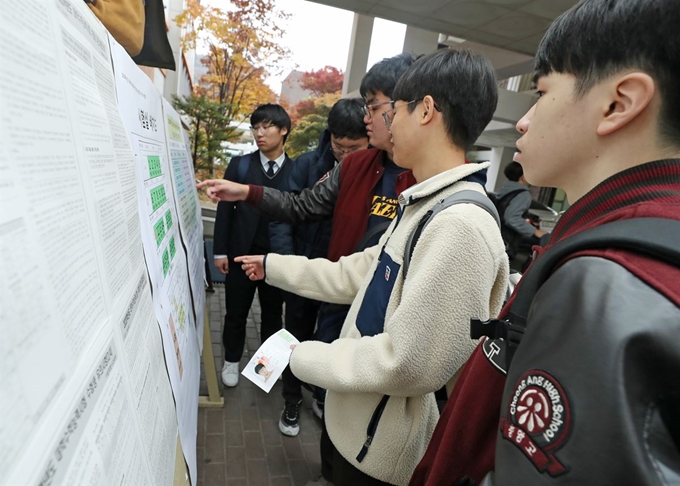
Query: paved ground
<point x="241" y="445"/>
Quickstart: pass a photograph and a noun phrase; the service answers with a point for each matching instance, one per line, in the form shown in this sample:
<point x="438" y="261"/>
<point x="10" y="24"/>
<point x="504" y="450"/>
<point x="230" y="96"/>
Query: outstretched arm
<point x="313" y="204"/>
<point x="224" y="190"/>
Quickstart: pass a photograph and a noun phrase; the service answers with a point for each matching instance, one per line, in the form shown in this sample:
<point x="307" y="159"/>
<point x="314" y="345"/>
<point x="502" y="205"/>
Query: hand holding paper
<point x="269" y="361"/>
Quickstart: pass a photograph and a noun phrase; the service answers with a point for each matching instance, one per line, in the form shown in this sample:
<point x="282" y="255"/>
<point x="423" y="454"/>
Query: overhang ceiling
<point x="515" y="25"/>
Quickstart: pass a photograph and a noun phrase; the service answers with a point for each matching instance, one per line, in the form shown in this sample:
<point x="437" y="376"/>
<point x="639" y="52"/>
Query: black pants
<point x="338" y="470"/>
<point x="300" y="321"/>
<point x="240" y="291"/>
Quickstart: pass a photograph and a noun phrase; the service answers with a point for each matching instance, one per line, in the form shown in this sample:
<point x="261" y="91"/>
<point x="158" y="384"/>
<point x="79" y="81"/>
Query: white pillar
<point x="172" y="78"/>
<point x="357" y="60"/>
<point x="500" y="158"/>
<point x="418" y="41"/>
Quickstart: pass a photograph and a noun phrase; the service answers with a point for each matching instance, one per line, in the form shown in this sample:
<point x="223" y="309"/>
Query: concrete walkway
<point x="241" y="445"/>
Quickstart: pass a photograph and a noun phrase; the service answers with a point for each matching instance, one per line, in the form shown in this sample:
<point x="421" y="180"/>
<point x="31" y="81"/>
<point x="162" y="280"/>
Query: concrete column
<point x="418" y="41"/>
<point x="172" y="78"/>
<point x="357" y="60"/>
<point x="500" y="158"/>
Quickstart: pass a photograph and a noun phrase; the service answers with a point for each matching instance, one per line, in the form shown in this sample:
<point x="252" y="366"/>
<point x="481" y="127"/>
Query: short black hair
<point x="383" y="75"/>
<point x="463" y="85"/>
<point x="598" y="38"/>
<point x="513" y="171"/>
<point x="346" y="119"/>
<point x="258" y="367"/>
<point x="272" y="113"/>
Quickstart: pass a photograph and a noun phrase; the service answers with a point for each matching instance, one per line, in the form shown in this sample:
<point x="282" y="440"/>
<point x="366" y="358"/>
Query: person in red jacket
<point x="592" y="395"/>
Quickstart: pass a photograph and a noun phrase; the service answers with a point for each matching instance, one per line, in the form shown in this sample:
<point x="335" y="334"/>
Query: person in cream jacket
<point x="403" y="339"/>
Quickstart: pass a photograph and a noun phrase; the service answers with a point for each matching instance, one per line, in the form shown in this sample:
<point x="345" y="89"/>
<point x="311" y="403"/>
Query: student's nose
<point x="523" y="123"/>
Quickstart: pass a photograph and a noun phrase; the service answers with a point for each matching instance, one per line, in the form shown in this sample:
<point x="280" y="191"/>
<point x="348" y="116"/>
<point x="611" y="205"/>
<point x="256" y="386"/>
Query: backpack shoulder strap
<point x="243" y="164"/>
<point x="655" y="237"/>
<point x="466" y="196"/>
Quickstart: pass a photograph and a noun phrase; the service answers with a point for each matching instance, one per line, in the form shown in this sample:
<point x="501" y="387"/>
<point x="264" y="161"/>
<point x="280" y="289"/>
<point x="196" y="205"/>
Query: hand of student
<point x="252" y="265"/>
<point x="538" y="233"/>
<point x="224" y="190"/>
<point x="222" y="265"/>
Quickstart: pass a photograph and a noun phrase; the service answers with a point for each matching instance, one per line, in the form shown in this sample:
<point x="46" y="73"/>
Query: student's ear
<point x="629" y="95"/>
<point x="283" y="131"/>
<point x="428" y="110"/>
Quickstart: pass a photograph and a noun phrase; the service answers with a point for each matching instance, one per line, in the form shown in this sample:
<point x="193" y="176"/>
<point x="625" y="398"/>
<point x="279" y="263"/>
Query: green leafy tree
<point x="305" y="134"/>
<point x="208" y="129"/>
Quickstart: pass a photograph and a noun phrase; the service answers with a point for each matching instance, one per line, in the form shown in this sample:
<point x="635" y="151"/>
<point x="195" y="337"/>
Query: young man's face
<point x="558" y="133"/>
<point x="268" y="137"/>
<point x="343" y="146"/>
<point x="402" y="133"/>
<point x="378" y="135"/>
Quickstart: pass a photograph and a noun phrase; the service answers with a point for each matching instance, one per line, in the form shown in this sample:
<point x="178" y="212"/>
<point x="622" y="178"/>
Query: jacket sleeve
<point x="313" y="204"/>
<point x="514" y="214"/>
<point x="225" y="213"/>
<point x="593" y="394"/>
<point x="282" y="235"/>
<point x="320" y="279"/>
<point x="454" y="276"/>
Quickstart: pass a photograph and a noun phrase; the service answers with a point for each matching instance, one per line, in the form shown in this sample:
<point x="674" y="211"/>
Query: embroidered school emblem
<point x="387" y="273"/>
<point x="538" y="420"/>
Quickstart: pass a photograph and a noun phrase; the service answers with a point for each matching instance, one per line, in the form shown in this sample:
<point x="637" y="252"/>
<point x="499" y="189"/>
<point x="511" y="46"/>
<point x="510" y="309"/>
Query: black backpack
<point x="654" y="237"/>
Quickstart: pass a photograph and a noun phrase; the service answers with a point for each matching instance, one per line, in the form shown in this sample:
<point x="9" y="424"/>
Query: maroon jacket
<point x="464" y="442"/>
<point x="359" y="175"/>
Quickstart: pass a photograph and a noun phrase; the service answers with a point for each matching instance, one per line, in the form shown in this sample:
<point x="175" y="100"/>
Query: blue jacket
<point x="310" y="240"/>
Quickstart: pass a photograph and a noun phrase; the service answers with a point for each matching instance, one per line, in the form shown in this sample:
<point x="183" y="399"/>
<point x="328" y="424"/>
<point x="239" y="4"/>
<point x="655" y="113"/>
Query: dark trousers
<point x="240" y="291"/>
<point x="300" y="321"/>
<point x="338" y="470"/>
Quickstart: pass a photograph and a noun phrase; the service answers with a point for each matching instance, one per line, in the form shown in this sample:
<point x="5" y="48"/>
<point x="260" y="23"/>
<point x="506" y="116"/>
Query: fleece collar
<point x="438" y="182"/>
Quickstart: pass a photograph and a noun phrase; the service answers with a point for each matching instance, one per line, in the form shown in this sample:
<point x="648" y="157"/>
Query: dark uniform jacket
<point x="237" y="223"/>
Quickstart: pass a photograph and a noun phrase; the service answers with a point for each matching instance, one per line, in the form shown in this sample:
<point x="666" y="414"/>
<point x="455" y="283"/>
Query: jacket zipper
<point x="372" y="426"/>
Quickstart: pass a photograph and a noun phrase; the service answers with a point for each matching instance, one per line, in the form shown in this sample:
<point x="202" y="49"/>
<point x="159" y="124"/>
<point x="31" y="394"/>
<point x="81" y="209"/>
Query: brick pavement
<point x="241" y="445"/>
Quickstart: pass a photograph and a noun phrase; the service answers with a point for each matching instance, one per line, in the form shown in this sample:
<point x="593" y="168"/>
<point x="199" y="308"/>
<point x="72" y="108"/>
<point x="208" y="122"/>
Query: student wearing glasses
<point x="359" y="194"/>
<point x="405" y="337"/>
<point x="240" y="229"/>
<point x="346" y="133"/>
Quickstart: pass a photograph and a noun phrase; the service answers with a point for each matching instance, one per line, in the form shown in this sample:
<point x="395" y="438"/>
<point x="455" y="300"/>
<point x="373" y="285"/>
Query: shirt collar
<point x="278" y="161"/>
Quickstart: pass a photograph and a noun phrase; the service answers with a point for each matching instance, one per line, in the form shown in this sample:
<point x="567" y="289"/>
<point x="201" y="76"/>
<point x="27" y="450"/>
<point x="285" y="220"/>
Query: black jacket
<point x="236" y="223"/>
<point x="310" y="240"/>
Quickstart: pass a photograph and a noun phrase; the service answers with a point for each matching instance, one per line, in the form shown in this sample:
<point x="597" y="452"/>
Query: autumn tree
<point x="242" y="43"/>
<point x="324" y="81"/>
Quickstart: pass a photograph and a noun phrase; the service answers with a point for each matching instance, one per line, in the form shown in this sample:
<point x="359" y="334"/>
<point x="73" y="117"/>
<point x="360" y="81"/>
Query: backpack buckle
<point x="497" y="329"/>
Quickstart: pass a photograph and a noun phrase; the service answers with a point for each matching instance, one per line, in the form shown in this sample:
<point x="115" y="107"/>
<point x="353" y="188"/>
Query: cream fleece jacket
<point x="459" y="270"/>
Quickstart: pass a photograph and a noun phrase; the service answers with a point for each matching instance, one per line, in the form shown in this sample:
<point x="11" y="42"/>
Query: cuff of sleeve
<point x="254" y="194"/>
<point x="264" y="267"/>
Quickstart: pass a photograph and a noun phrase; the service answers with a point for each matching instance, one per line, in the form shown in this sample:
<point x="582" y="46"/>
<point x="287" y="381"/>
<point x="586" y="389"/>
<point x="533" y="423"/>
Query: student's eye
<point x="538" y="94"/>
